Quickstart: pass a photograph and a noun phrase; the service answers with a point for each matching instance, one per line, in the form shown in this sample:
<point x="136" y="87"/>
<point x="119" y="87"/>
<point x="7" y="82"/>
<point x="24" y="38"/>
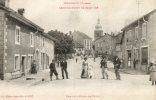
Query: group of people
<point x="87" y="70"/>
<point x="53" y="70"/>
<point x="88" y="73"/>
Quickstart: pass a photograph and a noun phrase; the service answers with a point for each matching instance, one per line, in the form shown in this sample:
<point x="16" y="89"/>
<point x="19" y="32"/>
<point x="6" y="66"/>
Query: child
<point x="90" y="71"/>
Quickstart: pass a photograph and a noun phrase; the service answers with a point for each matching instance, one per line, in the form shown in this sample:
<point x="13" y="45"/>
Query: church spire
<point x="98" y="25"/>
<point x="98" y="21"/>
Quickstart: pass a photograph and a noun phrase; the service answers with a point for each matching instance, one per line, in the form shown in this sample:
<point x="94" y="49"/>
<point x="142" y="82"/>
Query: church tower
<point x="98" y="32"/>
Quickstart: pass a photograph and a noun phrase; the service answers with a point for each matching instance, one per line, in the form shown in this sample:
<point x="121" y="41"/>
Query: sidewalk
<point x="32" y="79"/>
<point x="130" y="71"/>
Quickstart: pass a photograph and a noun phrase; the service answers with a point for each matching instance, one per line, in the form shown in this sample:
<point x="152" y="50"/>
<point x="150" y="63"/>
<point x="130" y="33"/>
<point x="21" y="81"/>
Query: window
<point x="136" y="32"/>
<point x="31" y="39"/>
<point x="17" y="62"/>
<point x="43" y="42"/>
<point x="17" y="35"/>
<point x="98" y="44"/>
<point x="129" y="36"/>
<point x="101" y="44"/>
<point x="144" y="56"/>
<point x="144" y="30"/>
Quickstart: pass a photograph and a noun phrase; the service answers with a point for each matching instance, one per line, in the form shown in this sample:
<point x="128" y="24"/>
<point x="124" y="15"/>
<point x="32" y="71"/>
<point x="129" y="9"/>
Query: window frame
<point x="19" y="36"/>
<point x="136" y="32"/>
<point x="16" y="68"/>
<point x="144" y="31"/>
<point x="31" y="39"/>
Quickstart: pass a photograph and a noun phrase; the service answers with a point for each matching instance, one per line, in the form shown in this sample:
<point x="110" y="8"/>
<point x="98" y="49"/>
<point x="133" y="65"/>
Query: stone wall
<point x="1" y="44"/>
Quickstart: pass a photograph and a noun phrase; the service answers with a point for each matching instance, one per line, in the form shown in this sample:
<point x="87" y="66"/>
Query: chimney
<point x="21" y="11"/>
<point x="5" y="3"/>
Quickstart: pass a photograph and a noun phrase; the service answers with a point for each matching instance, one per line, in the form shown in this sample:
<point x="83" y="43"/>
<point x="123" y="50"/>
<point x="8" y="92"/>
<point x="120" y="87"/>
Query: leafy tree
<point x="64" y="44"/>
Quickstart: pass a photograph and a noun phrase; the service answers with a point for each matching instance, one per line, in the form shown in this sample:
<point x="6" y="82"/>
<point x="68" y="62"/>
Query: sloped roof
<point x="49" y="37"/>
<point x="82" y="34"/>
<point x="103" y="36"/>
<point x="118" y="38"/>
<point x="10" y="12"/>
<point x="139" y="19"/>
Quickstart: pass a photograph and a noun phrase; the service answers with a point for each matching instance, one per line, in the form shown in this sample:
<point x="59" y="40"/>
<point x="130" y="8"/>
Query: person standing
<point x="64" y="68"/>
<point x="84" y="73"/>
<point x="76" y="60"/>
<point x="117" y="64"/>
<point x="104" y="67"/>
<point x="33" y="67"/>
<point x="53" y="70"/>
<point x="152" y="70"/>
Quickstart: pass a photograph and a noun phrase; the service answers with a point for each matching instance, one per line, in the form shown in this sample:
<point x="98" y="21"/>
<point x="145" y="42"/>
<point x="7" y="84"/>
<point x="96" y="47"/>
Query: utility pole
<point x="138" y="5"/>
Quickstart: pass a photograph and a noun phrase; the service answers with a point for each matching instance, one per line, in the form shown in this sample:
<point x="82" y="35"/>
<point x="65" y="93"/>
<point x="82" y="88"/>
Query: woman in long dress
<point x="153" y="73"/>
<point x="84" y="73"/>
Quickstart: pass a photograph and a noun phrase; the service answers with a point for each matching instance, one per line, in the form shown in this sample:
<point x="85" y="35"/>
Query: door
<point x="144" y="58"/>
<point x="129" y="55"/>
<point x="23" y="66"/>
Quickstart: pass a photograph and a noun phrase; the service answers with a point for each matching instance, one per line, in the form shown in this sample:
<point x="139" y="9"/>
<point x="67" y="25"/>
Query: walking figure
<point x="152" y="70"/>
<point x="84" y="73"/>
<point x="53" y="70"/>
<point x="76" y="60"/>
<point x="64" y="68"/>
<point x="104" y="67"/>
<point x="117" y="64"/>
<point x="94" y="59"/>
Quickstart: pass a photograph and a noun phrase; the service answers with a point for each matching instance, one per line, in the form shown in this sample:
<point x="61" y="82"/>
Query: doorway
<point x="23" y="65"/>
<point x="129" y="57"/>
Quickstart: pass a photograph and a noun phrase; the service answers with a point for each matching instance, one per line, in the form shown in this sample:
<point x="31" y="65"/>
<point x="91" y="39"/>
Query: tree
<point x="64" y="44"/>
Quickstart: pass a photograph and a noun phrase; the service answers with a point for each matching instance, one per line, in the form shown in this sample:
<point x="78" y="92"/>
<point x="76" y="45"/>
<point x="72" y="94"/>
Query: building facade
<point x="118" y="45"/>
<point x="105" y="44"/>
<point x="139" y="42"/>
<point x="82" y="42"/>
<point x="20" y="43"/>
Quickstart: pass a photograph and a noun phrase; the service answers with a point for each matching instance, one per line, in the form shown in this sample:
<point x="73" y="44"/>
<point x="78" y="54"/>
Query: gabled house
<point x="21" y="42"/>
<point x="139" y="42"/>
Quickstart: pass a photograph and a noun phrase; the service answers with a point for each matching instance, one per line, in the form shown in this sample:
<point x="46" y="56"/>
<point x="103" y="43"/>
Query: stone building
<point x="22" y="41"/>
<point x="118" y="45"/>
<point x="105" y="44"/>
<point x="139" y="42"/>
<point x="82" y="42"/>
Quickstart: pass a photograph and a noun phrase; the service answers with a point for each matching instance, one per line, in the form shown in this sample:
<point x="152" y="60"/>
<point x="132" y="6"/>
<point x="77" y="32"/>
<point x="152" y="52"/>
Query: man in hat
<point x="64" y="68"/>
<point x="117" y="64"/>
<point x="104" y="67"/>
<point x="53" y="70"/>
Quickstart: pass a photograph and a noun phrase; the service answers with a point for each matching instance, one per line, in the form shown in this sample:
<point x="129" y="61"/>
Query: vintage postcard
<point x="77" y="50"/>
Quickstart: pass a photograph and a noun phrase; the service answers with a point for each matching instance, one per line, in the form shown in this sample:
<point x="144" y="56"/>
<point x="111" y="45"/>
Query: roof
<point x="139" y="19"/>
<point x="48" y="36"/>
<point x="106" y="34"/>
<point x="10" y="12"/>
<point x="118" y="38"/>
<point x="81" y="33"/>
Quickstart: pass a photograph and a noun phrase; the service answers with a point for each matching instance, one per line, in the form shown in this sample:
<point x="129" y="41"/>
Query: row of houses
<point x="21" y="42"/>
<point x="134" y="45"/>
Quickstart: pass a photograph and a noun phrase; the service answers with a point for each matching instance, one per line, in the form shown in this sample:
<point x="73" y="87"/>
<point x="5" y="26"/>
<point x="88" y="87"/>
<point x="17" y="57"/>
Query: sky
<point x="113" y="14"/>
